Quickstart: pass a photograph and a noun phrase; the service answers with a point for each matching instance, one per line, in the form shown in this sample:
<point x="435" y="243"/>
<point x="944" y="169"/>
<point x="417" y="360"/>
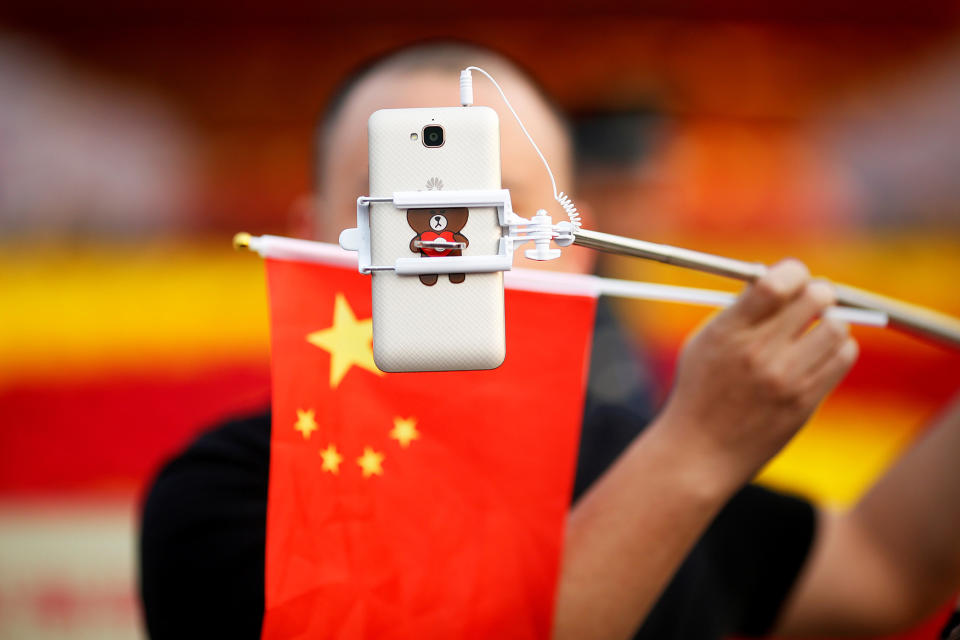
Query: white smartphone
<point x="442" y="322"/>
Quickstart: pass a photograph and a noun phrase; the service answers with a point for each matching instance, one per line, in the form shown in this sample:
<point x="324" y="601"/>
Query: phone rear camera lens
<point x="433" y="135"/>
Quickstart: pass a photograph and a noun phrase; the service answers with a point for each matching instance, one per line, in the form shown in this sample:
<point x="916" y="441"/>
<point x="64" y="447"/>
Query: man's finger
<point x="766" y="296"/>
<point x="835" y="368"/>
<point x="798" y="313"/>
<point x="810" y="352"/>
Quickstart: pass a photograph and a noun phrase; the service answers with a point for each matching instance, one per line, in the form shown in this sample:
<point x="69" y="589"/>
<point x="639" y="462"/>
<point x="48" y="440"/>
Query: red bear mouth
<point x="430" y="236"/>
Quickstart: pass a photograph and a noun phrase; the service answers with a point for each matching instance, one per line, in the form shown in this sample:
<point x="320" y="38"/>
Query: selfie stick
<point x="910" y="318"/>
<point x="541" y="231"/>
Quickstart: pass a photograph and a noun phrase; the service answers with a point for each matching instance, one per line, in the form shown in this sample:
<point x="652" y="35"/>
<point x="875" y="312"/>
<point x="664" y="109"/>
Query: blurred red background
<point x="135" y="139"/>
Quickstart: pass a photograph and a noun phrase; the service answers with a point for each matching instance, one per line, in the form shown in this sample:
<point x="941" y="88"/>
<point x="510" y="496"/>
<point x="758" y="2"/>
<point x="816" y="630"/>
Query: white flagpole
<point x="283" y="248"/>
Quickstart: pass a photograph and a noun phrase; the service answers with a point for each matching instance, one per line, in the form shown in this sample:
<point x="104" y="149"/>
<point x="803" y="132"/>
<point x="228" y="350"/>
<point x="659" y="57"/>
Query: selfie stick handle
<point x="910" y="318"/>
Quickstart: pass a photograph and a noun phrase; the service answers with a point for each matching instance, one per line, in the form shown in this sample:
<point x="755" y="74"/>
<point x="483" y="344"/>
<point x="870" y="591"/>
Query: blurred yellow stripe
<point x="69" y="313"/>
<point x="847" y="445"/>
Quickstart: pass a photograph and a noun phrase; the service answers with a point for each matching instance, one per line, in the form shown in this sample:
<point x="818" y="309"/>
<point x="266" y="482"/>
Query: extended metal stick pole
<point x="911" y="318"/>
<point x="717" y="265"/>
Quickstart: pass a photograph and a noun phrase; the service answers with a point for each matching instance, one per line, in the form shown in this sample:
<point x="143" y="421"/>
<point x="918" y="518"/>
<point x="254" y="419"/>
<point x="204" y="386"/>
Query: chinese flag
<point x="416" y="505"/>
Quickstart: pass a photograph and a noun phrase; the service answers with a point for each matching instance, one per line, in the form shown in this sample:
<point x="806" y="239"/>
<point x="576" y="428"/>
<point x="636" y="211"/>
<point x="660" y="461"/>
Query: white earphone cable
<point x="466" y="98"/>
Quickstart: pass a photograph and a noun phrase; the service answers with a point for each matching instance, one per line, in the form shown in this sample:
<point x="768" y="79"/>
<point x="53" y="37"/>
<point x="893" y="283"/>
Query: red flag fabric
<point x="416" y="505"/>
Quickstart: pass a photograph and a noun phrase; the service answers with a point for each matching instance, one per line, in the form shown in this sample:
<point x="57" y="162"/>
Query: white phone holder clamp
<point x="516" y="230"/>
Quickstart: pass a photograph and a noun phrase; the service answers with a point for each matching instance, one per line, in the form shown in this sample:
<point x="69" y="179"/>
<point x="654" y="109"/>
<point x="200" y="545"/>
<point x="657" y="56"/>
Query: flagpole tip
<point x="242" y="240"/>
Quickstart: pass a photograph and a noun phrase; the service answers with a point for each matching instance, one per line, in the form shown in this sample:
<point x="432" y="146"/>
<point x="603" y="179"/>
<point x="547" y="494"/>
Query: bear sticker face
<point x="438" y="220"/>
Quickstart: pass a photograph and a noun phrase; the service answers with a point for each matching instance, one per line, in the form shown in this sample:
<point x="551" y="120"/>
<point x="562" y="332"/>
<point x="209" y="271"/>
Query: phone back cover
<point x="447" y="325"/>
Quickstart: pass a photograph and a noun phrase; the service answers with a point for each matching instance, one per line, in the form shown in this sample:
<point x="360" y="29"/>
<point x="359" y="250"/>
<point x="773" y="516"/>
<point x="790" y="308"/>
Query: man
<point x="750" y="560"/>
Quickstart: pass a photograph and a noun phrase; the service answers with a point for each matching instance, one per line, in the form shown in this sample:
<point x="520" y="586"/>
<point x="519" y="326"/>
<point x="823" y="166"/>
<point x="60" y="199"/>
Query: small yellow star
<point x="348" y="340"/>
<point x="305" y="423"/>
<point x="404" y="431"/>
<point x="371" y="462"/>
<point x="331" y="459"/>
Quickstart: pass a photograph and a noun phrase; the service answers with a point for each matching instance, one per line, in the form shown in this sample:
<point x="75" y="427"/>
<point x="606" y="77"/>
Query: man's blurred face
<point x="343" y="163"/>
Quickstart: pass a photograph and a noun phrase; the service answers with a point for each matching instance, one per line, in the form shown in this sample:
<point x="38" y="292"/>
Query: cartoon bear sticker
<point x="438" y="225"/>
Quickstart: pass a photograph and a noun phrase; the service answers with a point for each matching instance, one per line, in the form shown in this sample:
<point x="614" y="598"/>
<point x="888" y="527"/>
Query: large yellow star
<point x="306" y="424"/>
<point x="404" y="431"/>
<point x="349" y="342"/>
<point x="371" y="462"/>
<point x="331" y="459"/>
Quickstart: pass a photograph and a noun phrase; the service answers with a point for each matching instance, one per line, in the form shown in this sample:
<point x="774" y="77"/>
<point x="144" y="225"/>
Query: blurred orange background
<point x="134" y="140"/>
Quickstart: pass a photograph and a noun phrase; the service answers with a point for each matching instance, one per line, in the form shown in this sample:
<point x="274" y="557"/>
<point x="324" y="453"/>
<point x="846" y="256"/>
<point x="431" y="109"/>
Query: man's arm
<point x="893" y="558"/>
<point x="745" y="384"/>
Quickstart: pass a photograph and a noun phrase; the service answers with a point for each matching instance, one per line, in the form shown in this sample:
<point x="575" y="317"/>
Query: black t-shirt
<point x="203" y="534"/>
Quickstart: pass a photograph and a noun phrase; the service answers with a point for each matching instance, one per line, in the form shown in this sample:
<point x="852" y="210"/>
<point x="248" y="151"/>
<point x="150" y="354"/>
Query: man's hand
<point x="745" y="384"/>
<point x="750" y="378"/>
